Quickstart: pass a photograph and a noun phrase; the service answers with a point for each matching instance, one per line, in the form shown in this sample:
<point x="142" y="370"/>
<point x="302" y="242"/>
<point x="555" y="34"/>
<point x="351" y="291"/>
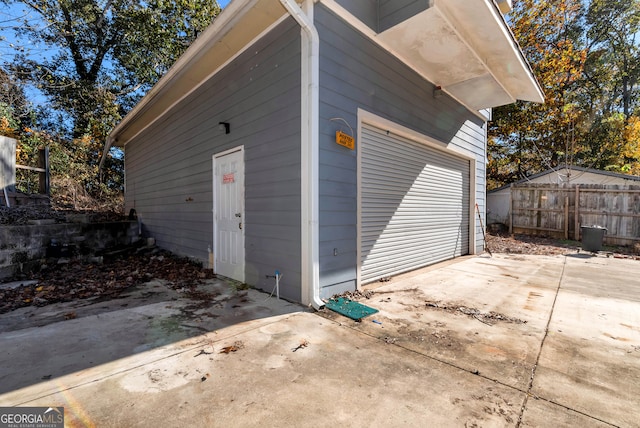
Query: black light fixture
<point x="224" y="126"/>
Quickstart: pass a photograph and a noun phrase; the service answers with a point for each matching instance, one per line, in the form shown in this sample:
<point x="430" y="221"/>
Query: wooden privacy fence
<point x="559" y="210"/>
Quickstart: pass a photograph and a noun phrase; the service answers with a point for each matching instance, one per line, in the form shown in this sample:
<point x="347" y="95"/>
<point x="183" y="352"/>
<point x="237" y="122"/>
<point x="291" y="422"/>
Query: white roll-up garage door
<point x="414" y="204"/>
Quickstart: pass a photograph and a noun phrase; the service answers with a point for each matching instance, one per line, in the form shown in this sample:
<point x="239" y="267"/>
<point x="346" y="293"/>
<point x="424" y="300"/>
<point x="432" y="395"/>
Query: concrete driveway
<point x="477" y="342"/>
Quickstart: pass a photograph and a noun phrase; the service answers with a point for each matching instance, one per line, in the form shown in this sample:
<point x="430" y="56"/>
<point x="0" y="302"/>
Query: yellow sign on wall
<point x="345" y="140"/>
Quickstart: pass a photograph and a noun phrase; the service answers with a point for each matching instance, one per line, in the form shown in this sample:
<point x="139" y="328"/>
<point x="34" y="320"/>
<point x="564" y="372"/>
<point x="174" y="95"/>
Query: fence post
<point x="511" y="210"/>
<point x="576" y="233"/>
<point x="566" y="217"/>
<point x="43" y="177"/>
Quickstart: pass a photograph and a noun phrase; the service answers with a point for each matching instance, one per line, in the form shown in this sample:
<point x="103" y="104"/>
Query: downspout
<point x="105" y="151"/>
<point x="309" y="153"/>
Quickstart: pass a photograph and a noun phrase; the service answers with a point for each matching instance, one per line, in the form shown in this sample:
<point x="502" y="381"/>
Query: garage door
<point x="414" y="205"/>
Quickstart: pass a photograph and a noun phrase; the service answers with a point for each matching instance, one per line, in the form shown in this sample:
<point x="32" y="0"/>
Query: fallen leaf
<point x="233" y="348"/>
<point x="303" y="344"/>
<point x="228" y="349"/>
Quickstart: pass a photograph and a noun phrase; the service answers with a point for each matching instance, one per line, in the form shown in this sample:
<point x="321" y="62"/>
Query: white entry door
<point x="228" y="202"/>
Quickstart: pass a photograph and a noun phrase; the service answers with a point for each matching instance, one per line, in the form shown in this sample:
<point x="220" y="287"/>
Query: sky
<point x="8" y="41"/>
<point x="8" y="20"/>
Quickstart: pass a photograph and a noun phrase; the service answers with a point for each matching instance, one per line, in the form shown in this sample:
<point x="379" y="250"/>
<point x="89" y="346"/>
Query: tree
<point x="586" y="55"/>
<point x="613" y="27"/>
<point x="15" y="110"/>
<point x="106" y="55"/>
<point x="107" y="52"/>
<point x="525" y="138"/>
<point x="610" y="87"/>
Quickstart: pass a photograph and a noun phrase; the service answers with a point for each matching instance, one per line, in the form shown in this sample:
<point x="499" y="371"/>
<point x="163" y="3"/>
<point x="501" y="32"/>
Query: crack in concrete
<point x="529" y="388"/>
<point x="528" y="392"/>
<point x="546" y="333"/>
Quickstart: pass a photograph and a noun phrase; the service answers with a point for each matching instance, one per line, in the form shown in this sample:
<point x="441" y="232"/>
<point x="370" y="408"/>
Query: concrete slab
<point x="591" y="355"/>
<point x="339" y="378"/>
<point x="543" y="413"/>
<point x="519" y="287"/>
<point x="450" y="348"/>
<point x="39" y="343"/>
<point x="15" y="284"/>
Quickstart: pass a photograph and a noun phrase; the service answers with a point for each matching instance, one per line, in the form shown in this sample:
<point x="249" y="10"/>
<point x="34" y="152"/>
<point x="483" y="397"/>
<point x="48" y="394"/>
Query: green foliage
<point x="525" y="138"/>
<point x="587" y="60"/>
<point x="74" y="168"/>
<point x="612" y="28"/>
<point x="14" y="107"/>
<point x="106" y="55"/>
<point x="9" y="123"/>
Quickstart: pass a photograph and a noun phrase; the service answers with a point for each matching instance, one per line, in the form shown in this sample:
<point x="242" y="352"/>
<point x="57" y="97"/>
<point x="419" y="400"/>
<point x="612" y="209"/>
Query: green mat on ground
<point x="349" y="308"/>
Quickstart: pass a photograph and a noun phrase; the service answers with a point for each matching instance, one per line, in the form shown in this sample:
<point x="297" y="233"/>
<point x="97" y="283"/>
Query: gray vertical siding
<point x="169" y="165"/>
<point x="355" y="72"/>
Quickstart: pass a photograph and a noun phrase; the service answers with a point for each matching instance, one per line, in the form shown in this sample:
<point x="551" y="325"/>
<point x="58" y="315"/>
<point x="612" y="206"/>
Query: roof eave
<point x="466" y="48"/>
<point x="232" y="30"/>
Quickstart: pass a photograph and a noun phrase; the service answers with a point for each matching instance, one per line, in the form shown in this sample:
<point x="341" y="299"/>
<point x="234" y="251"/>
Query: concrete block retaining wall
<point x="24" y="248"/>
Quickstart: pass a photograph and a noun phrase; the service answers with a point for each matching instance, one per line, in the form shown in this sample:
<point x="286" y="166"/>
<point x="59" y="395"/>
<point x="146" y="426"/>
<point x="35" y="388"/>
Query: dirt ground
<point x="542" y="246"/>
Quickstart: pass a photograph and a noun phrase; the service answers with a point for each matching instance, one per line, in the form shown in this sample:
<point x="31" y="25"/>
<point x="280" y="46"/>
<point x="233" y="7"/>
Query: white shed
<point x="499" y="200"/>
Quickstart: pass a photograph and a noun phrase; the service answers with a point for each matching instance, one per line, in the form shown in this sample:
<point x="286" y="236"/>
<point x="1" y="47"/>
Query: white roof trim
<point x="223" y="40"/>
<point x="502" y="83"/>
<point x="220" y="43"/>
<point x="209" y="76"/>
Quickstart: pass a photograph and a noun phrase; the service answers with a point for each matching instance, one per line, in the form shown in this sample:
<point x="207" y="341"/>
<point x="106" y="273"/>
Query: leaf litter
<point x="489" y="318"/>
<point x="80" y="279"/>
